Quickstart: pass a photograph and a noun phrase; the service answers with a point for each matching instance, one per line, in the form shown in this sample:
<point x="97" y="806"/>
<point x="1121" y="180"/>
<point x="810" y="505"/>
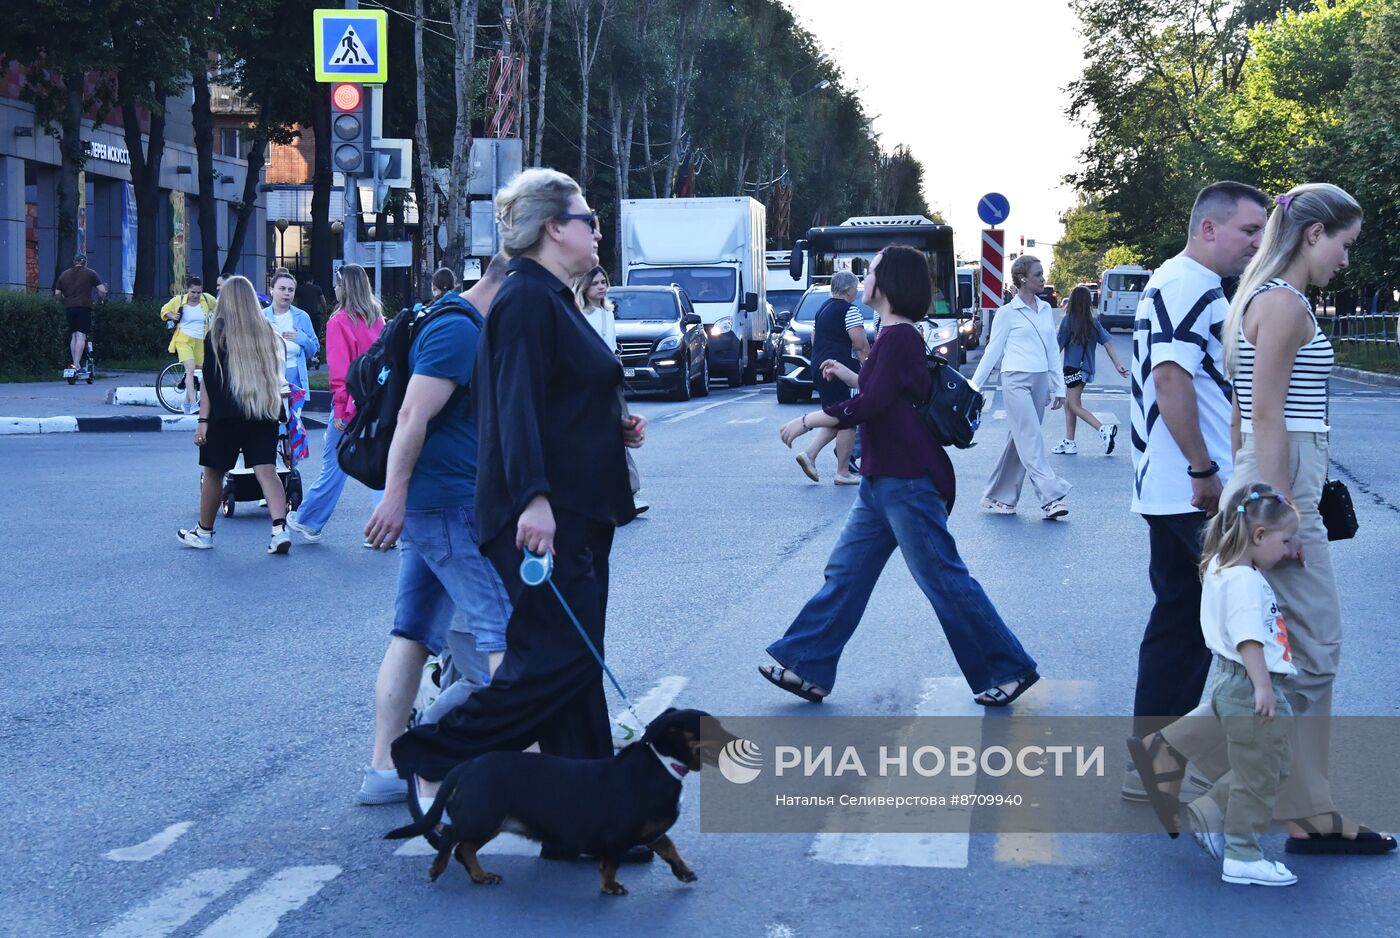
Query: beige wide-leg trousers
<point x="1024" y="395"/>
<point x="1311" y="609"/>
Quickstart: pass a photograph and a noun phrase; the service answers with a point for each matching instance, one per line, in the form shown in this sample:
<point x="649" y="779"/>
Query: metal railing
<point x="1365" y="340"/>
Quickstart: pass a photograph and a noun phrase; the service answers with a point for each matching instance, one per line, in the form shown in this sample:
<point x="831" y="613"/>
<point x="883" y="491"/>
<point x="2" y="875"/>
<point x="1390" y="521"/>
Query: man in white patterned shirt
<point x="1182" y="453"/>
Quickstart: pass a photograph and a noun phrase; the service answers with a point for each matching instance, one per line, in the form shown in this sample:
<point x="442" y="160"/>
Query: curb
<point x="1375" y="378"/>
<point x="153" y="423"/>
<point x="319" y="401"/>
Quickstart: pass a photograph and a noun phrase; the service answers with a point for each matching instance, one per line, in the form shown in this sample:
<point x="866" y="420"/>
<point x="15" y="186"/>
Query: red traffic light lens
<point x="346" y="97"/>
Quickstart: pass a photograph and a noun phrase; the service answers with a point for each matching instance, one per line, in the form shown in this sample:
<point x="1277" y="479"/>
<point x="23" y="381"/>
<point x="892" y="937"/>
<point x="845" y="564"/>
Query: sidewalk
<point x="65" y="408"/>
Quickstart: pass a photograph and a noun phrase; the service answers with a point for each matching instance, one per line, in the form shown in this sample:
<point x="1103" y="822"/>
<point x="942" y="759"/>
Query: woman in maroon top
<point x="905" y="494"/>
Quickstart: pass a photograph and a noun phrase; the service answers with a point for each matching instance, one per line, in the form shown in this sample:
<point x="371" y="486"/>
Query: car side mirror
<point x="750" y="302"/>
<point x="690" y="319"/>
<point x="784" y="318"/>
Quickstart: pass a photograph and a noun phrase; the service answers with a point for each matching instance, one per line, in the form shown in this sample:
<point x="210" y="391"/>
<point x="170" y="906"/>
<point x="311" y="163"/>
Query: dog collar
<point x="678" y="770"/>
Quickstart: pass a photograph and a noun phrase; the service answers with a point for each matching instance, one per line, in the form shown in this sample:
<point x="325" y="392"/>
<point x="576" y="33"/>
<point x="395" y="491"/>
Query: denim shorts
<point x="446" y="584"/>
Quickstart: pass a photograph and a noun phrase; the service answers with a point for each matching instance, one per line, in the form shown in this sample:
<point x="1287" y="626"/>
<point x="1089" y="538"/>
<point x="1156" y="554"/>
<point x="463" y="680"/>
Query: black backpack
<point x="377" y="381"/>
<point x="953" y="410"/>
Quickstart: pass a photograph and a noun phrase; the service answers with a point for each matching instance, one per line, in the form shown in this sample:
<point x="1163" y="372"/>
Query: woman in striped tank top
<point x="1279" y="362"/>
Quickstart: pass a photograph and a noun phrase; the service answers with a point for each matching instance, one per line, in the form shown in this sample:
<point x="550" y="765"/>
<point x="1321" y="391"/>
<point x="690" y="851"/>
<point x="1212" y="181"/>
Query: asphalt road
<point x="216" y="707"/>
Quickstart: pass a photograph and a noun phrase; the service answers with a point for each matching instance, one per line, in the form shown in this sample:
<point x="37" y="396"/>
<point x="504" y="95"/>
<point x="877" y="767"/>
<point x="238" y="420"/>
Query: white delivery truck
<point x="713" y="250"/>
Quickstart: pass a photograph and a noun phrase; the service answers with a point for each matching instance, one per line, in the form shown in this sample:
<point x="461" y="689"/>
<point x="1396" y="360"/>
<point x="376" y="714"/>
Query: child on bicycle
<point x="1256" y="530"/>
<point x="189" y="316"/>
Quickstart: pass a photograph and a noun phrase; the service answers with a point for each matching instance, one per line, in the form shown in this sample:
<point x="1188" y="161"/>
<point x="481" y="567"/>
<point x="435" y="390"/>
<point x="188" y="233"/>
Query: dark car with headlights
<point x="795" y="367"/>
<point x="660" y="341"/>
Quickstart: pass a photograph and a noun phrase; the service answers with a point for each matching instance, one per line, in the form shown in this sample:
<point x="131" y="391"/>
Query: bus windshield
<point x="853" y="247"/>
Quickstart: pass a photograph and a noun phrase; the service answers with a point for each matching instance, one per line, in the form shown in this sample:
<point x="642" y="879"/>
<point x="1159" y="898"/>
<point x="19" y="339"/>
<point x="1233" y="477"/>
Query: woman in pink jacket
<point x="349" y="333"/>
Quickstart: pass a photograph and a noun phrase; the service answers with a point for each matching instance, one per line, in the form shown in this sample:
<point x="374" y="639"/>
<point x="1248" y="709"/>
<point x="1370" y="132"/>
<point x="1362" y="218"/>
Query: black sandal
<point x="1163" y="805"/>
<point x="1000" y="698"/>
<point x="806" y="690"/>
<point x="1366" y="841"/>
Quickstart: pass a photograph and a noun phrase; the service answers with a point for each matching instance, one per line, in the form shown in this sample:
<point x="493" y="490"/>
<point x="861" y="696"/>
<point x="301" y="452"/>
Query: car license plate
<point x="629" y="372"/>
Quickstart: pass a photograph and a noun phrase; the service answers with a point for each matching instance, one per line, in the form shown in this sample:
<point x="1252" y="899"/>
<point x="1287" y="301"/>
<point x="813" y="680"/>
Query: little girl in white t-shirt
<point x="1256" y="530"/>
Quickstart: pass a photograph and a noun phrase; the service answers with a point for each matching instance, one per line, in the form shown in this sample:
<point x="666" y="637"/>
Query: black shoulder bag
<point x="1335" y="507"/>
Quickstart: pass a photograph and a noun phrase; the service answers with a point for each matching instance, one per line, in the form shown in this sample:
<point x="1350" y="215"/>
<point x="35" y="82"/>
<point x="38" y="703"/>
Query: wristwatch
<point x="1204" y="473"/>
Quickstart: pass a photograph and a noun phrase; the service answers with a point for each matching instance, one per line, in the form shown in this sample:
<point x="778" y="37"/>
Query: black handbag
<point x="1335" y="507"/>
<point x="1338" y="513"/>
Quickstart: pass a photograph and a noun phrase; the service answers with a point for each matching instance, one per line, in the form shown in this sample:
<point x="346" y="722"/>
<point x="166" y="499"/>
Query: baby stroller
<point x="240" y="485"/>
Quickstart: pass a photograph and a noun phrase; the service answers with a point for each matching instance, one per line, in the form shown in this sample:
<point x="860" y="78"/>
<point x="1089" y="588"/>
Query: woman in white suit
<point x="1024" y="344"/>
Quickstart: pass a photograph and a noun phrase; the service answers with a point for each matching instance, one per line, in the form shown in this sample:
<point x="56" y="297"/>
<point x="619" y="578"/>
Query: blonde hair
<point x="530" y="200"/>
<point x="1298" y="210"/>
<point x="1020" y="267"/>
<point x="359" y="301"/>
<point x="1229" y="533"/>
<point x="581" y="285"/>
<point x="252" y="349"/>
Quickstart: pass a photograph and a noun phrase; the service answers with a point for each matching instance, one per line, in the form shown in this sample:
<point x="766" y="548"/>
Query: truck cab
<point x="713" y="250"/>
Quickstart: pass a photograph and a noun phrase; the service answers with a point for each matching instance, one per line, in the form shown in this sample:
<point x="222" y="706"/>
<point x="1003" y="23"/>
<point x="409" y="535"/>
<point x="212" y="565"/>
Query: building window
<point x="235" y="142"/>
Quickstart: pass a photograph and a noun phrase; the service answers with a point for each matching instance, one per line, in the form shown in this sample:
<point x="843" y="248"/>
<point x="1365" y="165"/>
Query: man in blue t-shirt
<point x="448" y="594"/>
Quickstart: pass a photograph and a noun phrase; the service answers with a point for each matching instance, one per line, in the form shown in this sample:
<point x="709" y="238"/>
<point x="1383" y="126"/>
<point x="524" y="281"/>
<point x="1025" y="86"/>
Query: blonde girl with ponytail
<point x="239" y="410"/>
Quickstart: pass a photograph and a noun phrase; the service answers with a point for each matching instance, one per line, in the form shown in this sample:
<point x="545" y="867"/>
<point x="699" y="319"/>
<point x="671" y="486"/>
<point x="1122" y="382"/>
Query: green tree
<point x="57" y="64"/>
<point x="1156" y="97"/>
<point x="1079" y="255"/>
<point x="1370" y="139"/>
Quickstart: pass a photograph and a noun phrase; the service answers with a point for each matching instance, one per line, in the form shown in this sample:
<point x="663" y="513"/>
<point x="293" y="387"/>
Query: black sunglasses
<point x="591" y="218"/>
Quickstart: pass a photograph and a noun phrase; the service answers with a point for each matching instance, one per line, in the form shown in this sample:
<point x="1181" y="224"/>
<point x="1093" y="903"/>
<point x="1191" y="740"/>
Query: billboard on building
<point x="128" y="238"/>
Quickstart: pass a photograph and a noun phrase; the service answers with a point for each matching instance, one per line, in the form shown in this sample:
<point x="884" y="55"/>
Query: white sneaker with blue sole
<point x="382" y="786"/>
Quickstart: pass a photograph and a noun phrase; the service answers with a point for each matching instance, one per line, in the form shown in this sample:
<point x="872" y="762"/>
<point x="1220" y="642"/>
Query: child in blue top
<point x="1079" y="338"/>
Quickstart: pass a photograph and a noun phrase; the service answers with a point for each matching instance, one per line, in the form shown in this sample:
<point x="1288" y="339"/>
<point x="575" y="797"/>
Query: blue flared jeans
<point x="910" y="514"/>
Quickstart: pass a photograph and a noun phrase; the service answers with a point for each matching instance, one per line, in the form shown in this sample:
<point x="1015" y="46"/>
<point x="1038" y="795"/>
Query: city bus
<point x="851" y="246"/>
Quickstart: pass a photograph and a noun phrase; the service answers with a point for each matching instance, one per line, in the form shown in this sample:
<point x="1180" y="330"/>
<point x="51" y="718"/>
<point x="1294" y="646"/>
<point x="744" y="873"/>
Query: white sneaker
<point x="311" y="536"/>
<point x="1109" y="434"/>
<point x="1065" y="448"/>
<point x="1055" y="510"/>
<point x="281" y="542"/>
<point x="639" y="504"/>
<point x="191" y="537"/>
<point x="1206" y="823"/>
<point x="1259" y="872"/>
<point x="998" y="508"/>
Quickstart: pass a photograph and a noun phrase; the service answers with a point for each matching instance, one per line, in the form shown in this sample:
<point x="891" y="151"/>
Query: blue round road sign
<point x="993" y="208"/>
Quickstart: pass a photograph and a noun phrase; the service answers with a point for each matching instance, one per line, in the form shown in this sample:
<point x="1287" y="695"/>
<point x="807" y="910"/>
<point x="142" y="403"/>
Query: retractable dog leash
<point x="538" y="569"/>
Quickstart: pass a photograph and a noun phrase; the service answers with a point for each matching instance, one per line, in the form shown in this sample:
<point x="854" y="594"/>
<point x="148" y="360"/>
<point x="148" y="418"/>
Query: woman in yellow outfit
<point x="189" y="314"/>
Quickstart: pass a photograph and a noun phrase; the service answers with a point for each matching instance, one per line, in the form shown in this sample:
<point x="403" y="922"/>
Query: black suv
<point x="660" y="341"/>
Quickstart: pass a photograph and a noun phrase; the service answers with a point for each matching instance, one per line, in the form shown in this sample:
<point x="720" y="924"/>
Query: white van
<point x="1120" y="289"/>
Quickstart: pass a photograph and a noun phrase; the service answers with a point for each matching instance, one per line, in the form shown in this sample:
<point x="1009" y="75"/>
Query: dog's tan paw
<point x="487" y="879"/>
<point x="614" y="889"/>
<point x="685" y="874"/>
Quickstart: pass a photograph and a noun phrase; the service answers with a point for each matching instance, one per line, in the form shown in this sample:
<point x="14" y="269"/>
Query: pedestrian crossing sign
<point x="351" y="45"/>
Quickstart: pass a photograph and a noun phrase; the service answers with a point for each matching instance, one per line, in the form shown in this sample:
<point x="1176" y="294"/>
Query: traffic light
<point x="1023" y="244"/>
<point x="349" y="129"/>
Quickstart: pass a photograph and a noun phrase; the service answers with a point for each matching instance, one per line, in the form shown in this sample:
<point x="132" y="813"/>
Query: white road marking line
<point x="151" y="848"/>
<point x="177" y="905"/>
<point x="945" y="696"/>
<point x="749" y="420"/>
<point x="779" y="930"/>
<point x="679" y="415"/>
<point x="258" y="914"/>
<point x="512" y="845"/>
<point x="998" y="415"/>
<point x="648" y="707"/>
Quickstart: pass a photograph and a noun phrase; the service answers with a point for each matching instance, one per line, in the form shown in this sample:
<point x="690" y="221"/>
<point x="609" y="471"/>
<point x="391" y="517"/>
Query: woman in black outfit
<point x="551" y="477"/>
